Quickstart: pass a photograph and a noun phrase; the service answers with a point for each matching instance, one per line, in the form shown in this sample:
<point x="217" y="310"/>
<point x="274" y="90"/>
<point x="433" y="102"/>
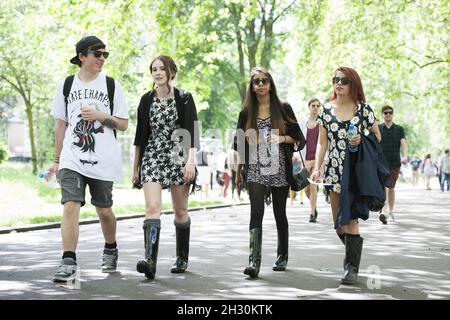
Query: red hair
<point x="356" y="88"/>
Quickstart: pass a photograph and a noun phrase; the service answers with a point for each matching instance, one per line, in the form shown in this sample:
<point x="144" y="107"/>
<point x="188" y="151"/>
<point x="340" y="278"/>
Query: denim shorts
<point x="73" y="188"/>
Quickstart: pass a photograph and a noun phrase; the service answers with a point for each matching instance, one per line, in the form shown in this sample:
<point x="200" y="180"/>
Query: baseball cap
<point x="85" y="44"/>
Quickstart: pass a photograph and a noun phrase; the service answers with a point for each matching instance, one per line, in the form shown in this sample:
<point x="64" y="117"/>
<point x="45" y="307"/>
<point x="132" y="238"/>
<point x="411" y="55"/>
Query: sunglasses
<point x="97" y="53"/>
<point x="344" y="80"/>
<point x="387" y="112"/>
<point x="260" y="81"/>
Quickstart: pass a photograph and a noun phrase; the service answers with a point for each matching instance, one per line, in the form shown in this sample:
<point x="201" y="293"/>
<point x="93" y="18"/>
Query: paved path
<point x="408" y="259"/>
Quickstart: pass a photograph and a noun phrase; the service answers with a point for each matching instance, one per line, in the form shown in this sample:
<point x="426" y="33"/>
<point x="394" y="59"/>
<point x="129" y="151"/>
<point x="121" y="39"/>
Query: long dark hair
<point x="169" y="66"/>
<point x="278" y="115"/>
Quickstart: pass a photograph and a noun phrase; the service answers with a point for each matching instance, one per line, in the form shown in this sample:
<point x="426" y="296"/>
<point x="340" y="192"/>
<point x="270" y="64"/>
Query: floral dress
<point x="337" y="139"/>
<point x="161" y="162"/>
<point x="269" y="170"/>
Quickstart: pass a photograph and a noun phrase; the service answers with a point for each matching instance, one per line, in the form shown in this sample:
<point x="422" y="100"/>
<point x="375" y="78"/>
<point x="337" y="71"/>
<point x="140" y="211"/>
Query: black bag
<point x="300" y="175"/>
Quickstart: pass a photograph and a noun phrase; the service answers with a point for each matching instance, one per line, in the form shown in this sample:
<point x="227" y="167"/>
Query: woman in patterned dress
<point x="271" y="129"/>
<point x="165" y="114"/>
<point x="346" y="106"/>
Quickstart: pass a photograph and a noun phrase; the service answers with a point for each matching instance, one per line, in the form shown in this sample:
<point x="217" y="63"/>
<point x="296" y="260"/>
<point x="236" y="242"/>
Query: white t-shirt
<point x="90" y="148"/>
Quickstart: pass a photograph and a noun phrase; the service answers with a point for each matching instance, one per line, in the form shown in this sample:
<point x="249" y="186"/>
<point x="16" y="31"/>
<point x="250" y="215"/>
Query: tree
<point x="217" y="43"/>
<point x="398" y="48"/>
<point x="20" y="66"/>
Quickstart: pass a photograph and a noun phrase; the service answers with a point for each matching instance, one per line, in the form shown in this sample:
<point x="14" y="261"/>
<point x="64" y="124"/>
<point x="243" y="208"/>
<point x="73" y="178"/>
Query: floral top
<point x="270" y="166"/>
<point x="162" y="157"/>
<point x="337" y="139"/>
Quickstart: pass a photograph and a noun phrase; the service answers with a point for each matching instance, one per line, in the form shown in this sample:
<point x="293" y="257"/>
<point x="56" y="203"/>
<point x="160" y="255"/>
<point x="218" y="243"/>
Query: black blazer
<point x="293" y="130"/>
<point x="187" y="116"/>
<point x="363" y="182"/>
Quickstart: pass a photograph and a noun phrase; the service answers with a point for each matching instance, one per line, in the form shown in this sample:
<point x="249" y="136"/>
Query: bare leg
<point x="108" y="224"/>
<point x="153" y="199"/>
<point x="391" y="198"/>
<point x="352" y="227"/>
<point x="69" y="225"/>
<point x="180" y="196"/>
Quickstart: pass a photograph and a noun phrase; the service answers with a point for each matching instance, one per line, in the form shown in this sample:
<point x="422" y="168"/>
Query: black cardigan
<point x="187" y="116"/>
<point x="293" y="130"/>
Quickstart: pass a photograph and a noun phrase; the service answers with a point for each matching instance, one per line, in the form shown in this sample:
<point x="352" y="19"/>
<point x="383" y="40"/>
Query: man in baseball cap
<point x="89" y="107"/>
<point x="87" y="43"/>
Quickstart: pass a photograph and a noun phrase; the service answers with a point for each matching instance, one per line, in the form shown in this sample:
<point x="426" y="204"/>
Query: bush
<point x="4" y="154"/>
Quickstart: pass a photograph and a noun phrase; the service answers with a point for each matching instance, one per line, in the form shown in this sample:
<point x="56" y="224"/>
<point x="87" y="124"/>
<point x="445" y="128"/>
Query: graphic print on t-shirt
<point x="84" y="136"/>
<point x="90" y="148"/>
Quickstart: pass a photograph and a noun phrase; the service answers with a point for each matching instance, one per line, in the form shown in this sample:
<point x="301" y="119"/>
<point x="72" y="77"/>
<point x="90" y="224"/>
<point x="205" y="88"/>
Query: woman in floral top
<point x="265" y="154"/>
<point x="347" y="106"/>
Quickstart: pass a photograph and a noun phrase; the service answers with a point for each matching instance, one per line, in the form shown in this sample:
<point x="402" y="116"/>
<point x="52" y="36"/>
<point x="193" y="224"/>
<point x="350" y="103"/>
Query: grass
<point x="20" y="174"/>
<point x="19" y="177"/>
<point x="89" y="212"/>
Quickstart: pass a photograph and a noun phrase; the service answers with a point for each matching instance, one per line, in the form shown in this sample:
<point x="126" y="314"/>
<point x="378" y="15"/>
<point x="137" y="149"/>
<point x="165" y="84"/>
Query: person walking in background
<point x="392" y="139"/>
<point x="429" y="170"/>
<point x="233" y="164"/>
<point x="296" y="161"/>
<point x="347" y="106"/>
<point x="203" y="172"/>
<point x="311" y="127"/>
<point x="161" y="161"/>
<point x="415" y="165"/>
<point x="445" y="168"/>
<point x="88" y="107"/>
<point x="226" y="178"/>
<point x="271" y="130"/>
<point x="437" y="165"/>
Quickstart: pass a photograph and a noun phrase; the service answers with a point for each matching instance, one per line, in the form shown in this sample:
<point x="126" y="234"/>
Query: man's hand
<point x="51" y="171"/>
<point x="89" y="113"/>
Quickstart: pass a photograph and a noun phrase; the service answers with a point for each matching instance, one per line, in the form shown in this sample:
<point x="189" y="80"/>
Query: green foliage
<point x="399" y="48"/>
<point x="4" y="154"/>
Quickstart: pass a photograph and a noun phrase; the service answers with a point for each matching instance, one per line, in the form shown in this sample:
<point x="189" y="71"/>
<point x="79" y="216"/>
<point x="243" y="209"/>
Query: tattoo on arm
<point x="110" y="123"/>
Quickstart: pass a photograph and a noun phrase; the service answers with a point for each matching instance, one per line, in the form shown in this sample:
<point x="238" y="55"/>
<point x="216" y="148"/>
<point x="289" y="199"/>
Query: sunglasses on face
<point x="260" y="81"/>
<point x="315" y="106"/>
<point x="97" y="53"/>
<point x="387" y="112"/>
<point x="344" y="80"/>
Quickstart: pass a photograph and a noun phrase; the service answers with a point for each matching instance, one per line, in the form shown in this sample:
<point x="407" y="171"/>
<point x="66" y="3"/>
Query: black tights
<point x="256" y="192"/>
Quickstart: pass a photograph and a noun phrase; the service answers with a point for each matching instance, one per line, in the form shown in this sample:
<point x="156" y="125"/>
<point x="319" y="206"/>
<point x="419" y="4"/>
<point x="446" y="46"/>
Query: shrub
<point x="4" y="154"/>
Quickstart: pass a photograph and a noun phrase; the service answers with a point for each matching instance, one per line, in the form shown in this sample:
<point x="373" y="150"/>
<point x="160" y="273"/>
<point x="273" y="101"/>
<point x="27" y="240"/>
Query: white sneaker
<point x="392" y="216"/>
<point x="66" y="270"/>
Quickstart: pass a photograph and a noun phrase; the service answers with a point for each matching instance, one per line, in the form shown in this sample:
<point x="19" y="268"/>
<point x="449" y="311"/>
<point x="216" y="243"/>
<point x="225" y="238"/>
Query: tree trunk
<point x="240" y="84"/>
<point x="266" y="53"/>
<point x="29" y="113"/>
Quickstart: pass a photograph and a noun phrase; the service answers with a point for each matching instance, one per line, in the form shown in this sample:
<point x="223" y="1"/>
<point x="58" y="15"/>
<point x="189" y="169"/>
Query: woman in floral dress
<point x="347" y="105"/>
<point x="163" y="160"/>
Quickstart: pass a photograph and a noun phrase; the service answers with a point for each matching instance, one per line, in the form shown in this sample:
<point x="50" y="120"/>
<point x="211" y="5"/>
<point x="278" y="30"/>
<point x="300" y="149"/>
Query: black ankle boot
<point x="152" y="229"/>
<point x="353" y="250"/>
<point x="254" y="260"/>
<point x="182" y="235"/>
<point x="282" y="250"/>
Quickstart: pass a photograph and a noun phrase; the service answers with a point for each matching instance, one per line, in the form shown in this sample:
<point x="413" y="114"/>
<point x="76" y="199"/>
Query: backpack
<point x="110" y="85"/>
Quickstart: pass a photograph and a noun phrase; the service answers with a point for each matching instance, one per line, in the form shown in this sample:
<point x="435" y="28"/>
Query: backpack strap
<point x="66" y="91"/>
<point x="111" y="86"/>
